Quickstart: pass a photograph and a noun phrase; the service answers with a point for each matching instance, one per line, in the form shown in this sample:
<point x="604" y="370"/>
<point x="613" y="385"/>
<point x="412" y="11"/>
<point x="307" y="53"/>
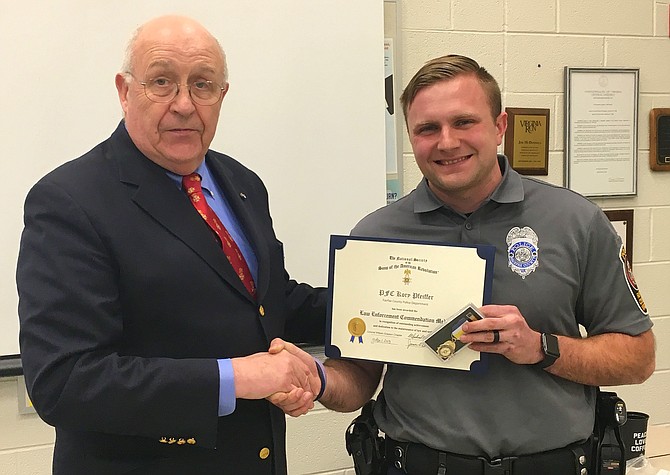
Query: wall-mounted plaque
<point x="659" y="139"/>
<point x="622" y="220"/>
<point x="527" y="140"/>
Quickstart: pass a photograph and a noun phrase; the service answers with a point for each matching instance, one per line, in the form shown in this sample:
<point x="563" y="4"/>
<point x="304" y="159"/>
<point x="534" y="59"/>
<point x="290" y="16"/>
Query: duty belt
<point x="417" y="459"/>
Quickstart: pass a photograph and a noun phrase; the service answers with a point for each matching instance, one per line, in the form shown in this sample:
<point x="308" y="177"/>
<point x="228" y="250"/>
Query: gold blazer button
<point x="264" y="453"/>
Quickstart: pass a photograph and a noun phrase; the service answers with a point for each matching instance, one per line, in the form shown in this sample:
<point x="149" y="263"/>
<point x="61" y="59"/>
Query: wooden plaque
<point x="527" y="140"/>
<point x="659" y="139"/>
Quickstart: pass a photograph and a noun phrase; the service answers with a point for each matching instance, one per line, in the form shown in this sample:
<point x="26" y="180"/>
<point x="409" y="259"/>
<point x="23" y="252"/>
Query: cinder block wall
<point x="525" y="45"/>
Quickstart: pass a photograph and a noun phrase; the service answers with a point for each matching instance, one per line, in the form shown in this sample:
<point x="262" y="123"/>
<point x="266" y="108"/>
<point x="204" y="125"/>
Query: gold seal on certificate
<point x="356" y="327"/>
<point x="391" y="296"/>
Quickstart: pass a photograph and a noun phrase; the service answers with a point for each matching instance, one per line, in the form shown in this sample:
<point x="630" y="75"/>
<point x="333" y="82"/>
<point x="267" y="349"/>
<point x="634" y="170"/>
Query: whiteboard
<point x="305" y="109"/>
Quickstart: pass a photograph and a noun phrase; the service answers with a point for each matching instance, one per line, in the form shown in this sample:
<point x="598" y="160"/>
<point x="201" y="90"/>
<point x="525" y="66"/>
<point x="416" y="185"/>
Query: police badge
<point x="522" y="250"/>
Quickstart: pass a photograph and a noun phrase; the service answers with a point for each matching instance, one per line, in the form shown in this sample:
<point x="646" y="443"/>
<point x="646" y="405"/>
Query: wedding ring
<point x="496" y="336"/>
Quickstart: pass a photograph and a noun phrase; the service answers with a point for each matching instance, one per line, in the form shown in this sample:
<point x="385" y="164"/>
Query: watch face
<point x="550" y="345"/>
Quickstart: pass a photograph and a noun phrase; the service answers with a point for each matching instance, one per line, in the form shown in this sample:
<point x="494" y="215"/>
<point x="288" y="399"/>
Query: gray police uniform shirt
<point x="559" y="260"/>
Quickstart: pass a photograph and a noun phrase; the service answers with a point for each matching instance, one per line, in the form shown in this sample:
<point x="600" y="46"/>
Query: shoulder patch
<point x="630" y="279"/>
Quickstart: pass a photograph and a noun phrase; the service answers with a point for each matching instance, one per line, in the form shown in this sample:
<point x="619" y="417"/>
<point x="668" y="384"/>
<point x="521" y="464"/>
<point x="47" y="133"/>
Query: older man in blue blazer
<point x="142" y="340"/>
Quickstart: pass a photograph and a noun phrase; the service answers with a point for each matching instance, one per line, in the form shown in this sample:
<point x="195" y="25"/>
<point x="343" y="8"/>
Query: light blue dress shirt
<point x="217" y="201"/>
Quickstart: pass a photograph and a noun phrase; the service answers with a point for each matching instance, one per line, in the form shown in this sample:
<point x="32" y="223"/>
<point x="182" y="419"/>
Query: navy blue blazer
<point x="126" y="301"/>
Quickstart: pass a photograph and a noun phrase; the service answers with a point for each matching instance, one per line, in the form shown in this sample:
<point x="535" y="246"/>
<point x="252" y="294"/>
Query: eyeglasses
<point x="202" y="92"/>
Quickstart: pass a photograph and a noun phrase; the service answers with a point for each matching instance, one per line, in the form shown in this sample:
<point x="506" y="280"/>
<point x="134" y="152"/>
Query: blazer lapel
<point x="157" y="194"/>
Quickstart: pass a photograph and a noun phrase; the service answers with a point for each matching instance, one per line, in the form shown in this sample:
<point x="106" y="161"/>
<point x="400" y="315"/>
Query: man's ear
<point x="501" y="126"/>
<point x="122" y="90"/>
<point x="225" y="91"/>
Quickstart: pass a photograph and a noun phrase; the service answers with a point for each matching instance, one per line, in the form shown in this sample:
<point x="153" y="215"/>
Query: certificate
<point x="388" y="297"/>
<point x="601" y="109"/>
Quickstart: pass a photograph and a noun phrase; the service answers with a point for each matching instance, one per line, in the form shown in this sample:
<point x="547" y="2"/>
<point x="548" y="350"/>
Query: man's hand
<point x="594" y="360"/>
<point x="298" y="401"/>
<point x="259" y="375"/>
<point x="517" y="341"/>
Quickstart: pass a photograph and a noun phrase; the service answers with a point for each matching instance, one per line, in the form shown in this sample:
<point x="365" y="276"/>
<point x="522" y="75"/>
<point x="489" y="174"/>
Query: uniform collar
<point x="509" y="190"/>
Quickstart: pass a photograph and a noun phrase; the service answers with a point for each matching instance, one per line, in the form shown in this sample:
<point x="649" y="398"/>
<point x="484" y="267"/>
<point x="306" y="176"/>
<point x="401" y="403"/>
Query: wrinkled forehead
<point x="170" y="66"/>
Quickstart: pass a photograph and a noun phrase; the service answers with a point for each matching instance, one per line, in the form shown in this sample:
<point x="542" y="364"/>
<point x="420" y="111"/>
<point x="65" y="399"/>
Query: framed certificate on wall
<point x="601" y="108"/>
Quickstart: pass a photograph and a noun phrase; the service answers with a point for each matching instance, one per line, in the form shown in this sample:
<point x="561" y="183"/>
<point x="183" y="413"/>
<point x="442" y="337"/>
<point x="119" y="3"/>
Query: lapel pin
<point x="243" y="196"/>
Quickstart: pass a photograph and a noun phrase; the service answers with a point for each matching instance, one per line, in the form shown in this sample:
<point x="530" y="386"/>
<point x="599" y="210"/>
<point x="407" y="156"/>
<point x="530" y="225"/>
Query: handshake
<point x="286" y="376"/>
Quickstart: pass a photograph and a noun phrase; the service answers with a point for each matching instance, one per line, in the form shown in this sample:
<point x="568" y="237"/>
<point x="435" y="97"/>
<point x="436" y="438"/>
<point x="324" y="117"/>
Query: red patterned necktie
<point x="191" y="184"/>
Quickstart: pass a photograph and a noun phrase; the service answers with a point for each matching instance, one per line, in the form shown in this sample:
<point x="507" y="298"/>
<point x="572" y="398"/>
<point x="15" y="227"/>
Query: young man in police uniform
<point x="559" y="263"/>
